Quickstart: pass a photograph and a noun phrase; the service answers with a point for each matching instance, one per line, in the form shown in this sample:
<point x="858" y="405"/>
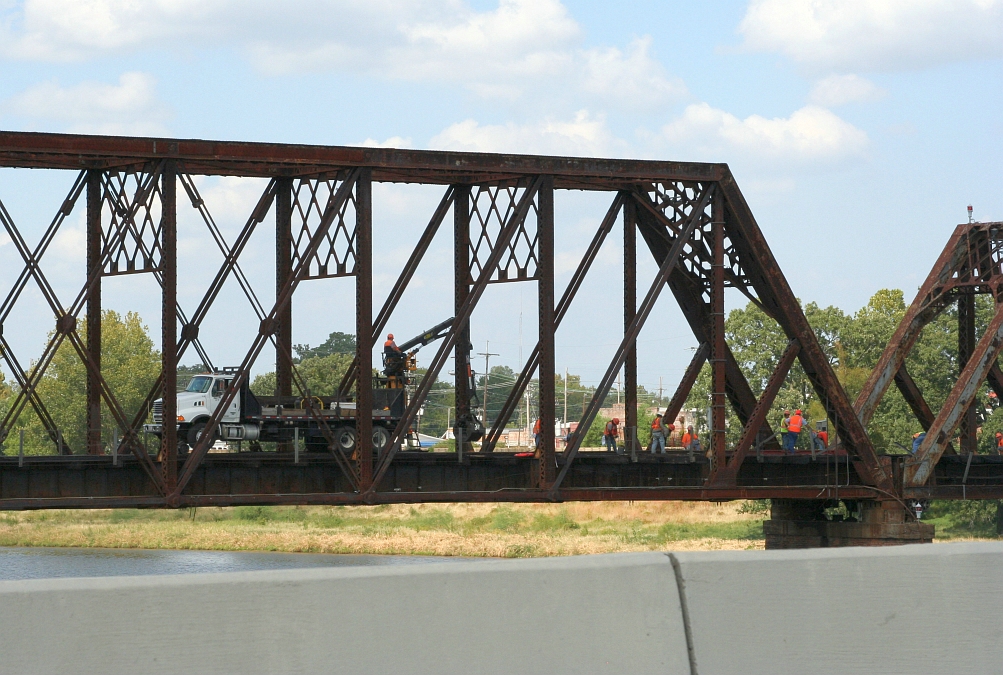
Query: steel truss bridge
<point x="692" y="218"/>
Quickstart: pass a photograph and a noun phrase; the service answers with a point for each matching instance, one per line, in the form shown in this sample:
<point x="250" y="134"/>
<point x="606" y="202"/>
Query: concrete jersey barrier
<point x="589" y="614"/>
<point x="910" y="610"/>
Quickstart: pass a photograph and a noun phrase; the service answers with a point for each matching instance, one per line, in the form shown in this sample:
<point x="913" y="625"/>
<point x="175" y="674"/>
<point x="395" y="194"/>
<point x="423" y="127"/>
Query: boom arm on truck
<point x="397" y="364"/>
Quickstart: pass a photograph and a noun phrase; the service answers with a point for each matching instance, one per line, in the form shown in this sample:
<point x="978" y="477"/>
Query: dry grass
<point x="445" y="530"/>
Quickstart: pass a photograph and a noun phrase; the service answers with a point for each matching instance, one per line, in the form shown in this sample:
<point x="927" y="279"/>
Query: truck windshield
<point x="200" y="384"/>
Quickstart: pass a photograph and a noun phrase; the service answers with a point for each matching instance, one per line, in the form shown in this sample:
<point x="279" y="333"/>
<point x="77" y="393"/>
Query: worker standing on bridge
<point x="783" y="429"/>
<point x="999" y="443"/>
<point x="917" y="440"/>
<point x="691" y="442"/>
<point x="658" y="435"/>
<point x="610" y="433"/>
<point x="793" y="431"/>
<point x="537" y="436"/>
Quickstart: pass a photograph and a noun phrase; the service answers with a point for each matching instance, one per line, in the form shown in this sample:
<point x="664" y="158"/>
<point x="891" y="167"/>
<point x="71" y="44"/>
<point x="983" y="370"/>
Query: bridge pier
<point x="802" y="523"/>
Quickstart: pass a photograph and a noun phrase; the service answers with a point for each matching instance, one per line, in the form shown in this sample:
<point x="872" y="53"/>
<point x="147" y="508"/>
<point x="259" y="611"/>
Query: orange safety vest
<point x="610" y="429"/>
<point x="656" y="424"/>
<point x="794" y="425"/>
<point x="392" y="345"/>
<point x="536" y="427"/>
<point x="688" y="438"/>
<point x="824" y="435"/>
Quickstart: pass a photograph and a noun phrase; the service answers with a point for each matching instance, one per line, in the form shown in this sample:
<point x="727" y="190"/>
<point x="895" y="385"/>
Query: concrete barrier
<point x="912" y="609"/>
<point x="590" y="614"/>
<point x="924" y="608"/>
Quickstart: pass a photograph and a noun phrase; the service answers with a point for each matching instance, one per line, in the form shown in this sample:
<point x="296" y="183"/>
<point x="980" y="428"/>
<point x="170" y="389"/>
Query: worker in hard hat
<point x="537" y="434"/>
<point x="794" y="425"/>
<point x="691" y="442"/>
<point x="390" y="347"/>
<point x="658" y="435"/>
<point x="610" y="433"/>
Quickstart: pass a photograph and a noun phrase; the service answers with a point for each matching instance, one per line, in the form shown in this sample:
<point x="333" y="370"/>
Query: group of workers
<point x="661" y="429"/>
<point x="790" y="433"/>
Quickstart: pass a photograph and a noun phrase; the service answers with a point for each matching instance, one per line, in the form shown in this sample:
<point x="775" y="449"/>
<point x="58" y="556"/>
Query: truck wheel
<point x="195" y="433"/>
<point x="381" y="439"/>
<point x="344" y="439"/>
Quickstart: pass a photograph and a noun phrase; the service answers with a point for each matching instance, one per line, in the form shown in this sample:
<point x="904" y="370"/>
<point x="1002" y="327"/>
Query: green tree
<point x="336" y="343"/>
<point x="186" y="373"/>
<point x="130" y="365"/>
<point x="322" y="375"/>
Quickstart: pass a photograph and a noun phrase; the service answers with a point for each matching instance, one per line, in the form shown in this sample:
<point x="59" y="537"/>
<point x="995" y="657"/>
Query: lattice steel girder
<point x="970" y="261"/>
<point x="70" y="151"/>
<point x="724" y="475"/>
<point x="688" y="291"/>
<point x="665" y="200"/>
<point x="958" y="402"/>
<point x="774" y="292"/>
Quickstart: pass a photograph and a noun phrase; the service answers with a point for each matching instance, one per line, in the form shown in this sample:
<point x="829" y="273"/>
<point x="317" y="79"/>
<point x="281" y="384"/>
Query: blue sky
<point x="858" y="130"/>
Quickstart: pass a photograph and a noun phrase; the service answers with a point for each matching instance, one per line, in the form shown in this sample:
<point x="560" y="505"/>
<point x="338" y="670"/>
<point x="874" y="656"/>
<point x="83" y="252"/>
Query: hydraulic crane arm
<point x="431" y="335"/>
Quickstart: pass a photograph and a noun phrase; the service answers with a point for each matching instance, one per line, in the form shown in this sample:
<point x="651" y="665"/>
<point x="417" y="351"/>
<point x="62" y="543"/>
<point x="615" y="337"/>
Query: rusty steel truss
<point x="692" y="218"/>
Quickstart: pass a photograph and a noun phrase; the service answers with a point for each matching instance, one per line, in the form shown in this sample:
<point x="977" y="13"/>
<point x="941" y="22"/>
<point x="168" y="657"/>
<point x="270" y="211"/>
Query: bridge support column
<point x="802" y="523"/>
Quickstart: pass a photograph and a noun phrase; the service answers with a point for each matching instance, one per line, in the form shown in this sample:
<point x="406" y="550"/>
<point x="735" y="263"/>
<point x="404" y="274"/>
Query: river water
<point x="45" y="563"/>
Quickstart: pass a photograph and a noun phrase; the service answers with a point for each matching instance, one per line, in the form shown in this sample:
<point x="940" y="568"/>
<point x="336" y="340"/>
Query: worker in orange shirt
<point x="610" y="433"/>
<point x="691" y="443"/>
<point x="537" y="436"/>
<point x="822" y="440"/>
<point x="390" y="347"/>
<point x="999" y="443"/>
<point x="658" y="435"/>
<point x="793" y="431"/>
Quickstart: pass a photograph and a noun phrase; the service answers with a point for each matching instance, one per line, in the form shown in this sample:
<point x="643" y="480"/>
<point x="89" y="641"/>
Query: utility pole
<point x="659" y="392"/>
<point x="527" y="415"/>
<point x="565" y="418"/>
<point x="487" y="376"/>
<point x="618" y="386"/>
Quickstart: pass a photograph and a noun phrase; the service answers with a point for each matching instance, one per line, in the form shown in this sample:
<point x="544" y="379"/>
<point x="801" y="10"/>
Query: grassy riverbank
<point x="522" y="530"/>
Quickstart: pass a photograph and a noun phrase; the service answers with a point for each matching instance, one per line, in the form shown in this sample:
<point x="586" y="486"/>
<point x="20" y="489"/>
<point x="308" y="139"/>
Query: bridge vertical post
<point x="461" y="289"/>
<point x="364" y="325"/>
<point x="966" y="345"/>
<point x="169" y="326"/>
<point x="283" y="269"/>
<point x="717" y="343"/>
<point x="94" y="311"/>
<point x="548" y="398"/>
<point x="629" y="311"/>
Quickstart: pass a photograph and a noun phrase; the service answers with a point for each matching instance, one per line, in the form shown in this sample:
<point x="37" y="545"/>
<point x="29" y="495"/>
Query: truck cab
<point x="197" y="403"/>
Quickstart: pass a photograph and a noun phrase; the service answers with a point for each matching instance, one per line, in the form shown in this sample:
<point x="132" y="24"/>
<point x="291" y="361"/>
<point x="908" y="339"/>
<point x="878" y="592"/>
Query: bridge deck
<point x="271" y="478"/>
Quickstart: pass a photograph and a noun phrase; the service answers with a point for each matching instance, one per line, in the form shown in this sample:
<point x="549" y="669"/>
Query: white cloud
<point x="632" y="77"/>
<point x="129" y="107"/>
<point x="392" y="142"/>
<point x="67" y="30"/>
<point x="810" y="135"/>
<point x="875" y="35"/>
<point x="520" y="49"/>
<point x="583" y="135"/>
<point x="840" y="89"/>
